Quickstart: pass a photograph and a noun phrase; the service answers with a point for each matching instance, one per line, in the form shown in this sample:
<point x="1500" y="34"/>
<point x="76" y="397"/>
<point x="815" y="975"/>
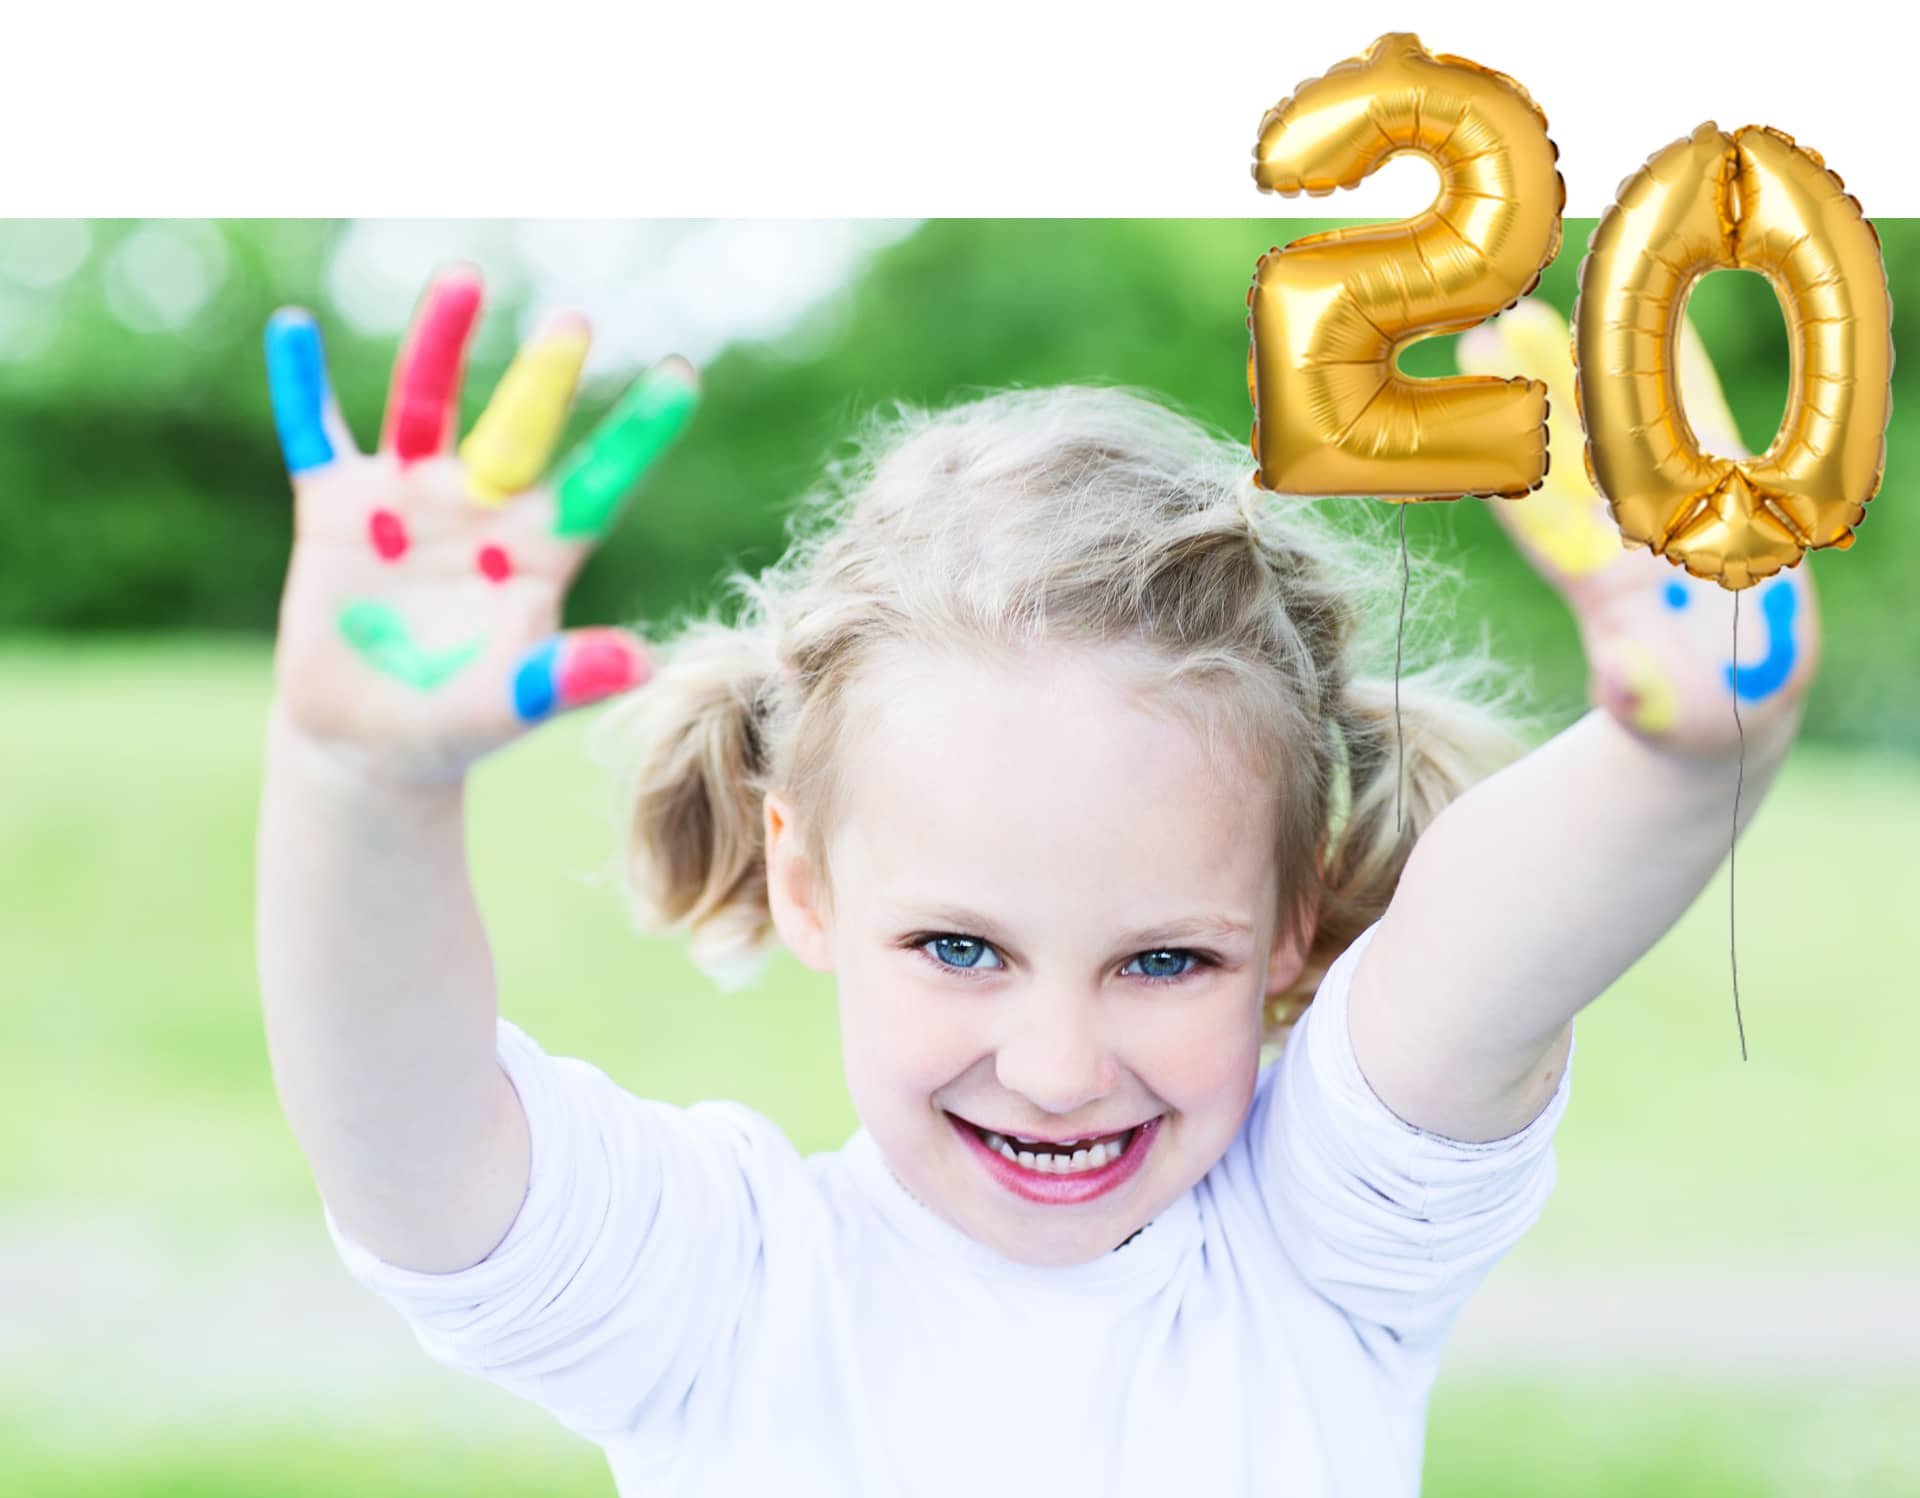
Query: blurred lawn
<point x="1488" y="1439"/>
<point x="139" y="1071"/>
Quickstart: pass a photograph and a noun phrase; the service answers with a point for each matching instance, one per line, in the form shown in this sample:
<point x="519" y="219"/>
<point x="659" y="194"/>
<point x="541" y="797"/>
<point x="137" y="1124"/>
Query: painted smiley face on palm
<point x="1779" y="607"/>
<point x="1663" y="661"/>
<point x="503" y="458"/>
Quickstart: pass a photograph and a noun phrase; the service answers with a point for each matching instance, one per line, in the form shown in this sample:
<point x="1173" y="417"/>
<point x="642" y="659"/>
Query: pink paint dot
<point x="599" y="663"/>
<point x="494" y="563"/>
<point x="389" y="534"/>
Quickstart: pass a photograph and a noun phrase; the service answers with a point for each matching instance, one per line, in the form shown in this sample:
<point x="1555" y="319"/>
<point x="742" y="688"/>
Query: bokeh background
<point x="1722" y="1298"/>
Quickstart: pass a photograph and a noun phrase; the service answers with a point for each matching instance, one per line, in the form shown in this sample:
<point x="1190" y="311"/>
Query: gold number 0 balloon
<point x="1756" y="201"/>
<point x="1329" y="314"/>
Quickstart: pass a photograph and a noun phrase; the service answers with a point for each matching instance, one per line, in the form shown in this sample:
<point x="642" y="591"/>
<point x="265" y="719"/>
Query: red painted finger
<point x="576" y="667"/>
<point x="423" y="407"/>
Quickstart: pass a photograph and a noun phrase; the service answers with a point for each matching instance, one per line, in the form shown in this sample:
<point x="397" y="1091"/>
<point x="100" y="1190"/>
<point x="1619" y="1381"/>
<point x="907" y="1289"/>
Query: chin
<point x="1062" y="1249"/>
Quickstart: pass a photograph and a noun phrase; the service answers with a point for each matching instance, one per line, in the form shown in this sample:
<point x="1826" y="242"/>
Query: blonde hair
<point x="1077" y="513"/>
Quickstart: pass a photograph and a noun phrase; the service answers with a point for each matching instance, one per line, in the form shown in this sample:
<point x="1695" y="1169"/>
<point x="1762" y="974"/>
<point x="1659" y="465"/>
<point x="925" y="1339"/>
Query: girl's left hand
<point x="1659" y="641"/>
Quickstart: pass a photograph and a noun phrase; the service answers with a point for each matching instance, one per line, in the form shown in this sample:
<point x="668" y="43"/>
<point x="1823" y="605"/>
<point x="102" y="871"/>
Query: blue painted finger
<point x="297" y="382"/>
<point x="534" y="688"/>
<point x="577" y="667"/>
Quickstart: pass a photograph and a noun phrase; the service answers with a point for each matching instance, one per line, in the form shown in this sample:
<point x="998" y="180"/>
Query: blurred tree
<point x="141" y="487"/>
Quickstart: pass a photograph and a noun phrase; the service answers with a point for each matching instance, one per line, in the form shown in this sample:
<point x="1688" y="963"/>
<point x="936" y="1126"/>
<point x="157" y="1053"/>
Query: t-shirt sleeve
<point x="634" y="1256"/>
<point x="1397" y="1226"/>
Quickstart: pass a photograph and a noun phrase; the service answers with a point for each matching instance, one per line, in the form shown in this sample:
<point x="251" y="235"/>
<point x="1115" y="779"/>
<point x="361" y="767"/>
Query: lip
<point x="1051" y="1190"/>
<point x="1019" y="1134"/>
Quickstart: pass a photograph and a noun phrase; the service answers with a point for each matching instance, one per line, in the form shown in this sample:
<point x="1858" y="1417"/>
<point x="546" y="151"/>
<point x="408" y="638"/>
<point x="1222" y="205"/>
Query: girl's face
<point x="1053" y="918"/>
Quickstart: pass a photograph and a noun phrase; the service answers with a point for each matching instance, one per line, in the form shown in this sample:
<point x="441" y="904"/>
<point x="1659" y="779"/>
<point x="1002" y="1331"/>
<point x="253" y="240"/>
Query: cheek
<point x="897" y="1043"/>
<point x="1203" y="1057"/>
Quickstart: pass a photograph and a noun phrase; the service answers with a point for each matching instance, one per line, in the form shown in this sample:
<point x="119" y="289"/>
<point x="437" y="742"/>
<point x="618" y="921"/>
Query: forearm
<point x="1604" y="841"/>
<point x="1525" y="900"/>
<point x="380" y="1006"/>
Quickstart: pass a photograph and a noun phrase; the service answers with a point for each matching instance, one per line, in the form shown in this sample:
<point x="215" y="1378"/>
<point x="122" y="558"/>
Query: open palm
<point x="1658" y="640"/>
<point x="419" y="624"/>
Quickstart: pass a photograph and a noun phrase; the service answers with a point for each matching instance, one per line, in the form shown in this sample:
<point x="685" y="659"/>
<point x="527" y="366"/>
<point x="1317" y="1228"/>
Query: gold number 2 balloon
<point x="1329" y="314"/>
<point x="1752" y="200"/>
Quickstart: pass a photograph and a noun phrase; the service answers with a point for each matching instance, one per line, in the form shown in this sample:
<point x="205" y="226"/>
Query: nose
<point x="1054" y="1054"/>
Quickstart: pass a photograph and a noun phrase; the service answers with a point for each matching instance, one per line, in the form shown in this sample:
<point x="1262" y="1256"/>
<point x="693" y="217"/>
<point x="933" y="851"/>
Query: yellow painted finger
<point x="1564" y="520"/>
<point x="1533" y="338"/>
<point x="509" y="446"/>
<point x="1702" y="398"/>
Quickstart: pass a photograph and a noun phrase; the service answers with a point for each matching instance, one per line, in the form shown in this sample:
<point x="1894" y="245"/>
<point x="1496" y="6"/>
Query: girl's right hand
<point x="419" y="623"/>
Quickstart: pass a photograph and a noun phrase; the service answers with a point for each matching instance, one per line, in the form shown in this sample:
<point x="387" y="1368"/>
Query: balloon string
<point x="1401" y="777"/>
<point x="1733" y="955"/>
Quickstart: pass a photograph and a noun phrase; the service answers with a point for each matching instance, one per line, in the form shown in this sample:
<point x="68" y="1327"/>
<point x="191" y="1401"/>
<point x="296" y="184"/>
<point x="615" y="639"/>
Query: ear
<point x="791" y="888"/>
<point x="1290" y="948"/>
<point x="1289" y="956"/>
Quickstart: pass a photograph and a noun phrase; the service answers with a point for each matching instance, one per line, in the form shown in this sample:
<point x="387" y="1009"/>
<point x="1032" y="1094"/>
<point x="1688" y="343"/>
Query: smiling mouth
<point x="1051" y="1177"/>
<point x="1061" y="1158"/>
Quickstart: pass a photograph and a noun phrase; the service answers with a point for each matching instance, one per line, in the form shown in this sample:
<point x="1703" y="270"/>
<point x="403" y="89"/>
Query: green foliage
<point x="141" y="487"/>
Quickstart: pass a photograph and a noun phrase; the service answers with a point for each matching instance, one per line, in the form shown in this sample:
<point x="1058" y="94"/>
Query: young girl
<point x="1047" y="739"/>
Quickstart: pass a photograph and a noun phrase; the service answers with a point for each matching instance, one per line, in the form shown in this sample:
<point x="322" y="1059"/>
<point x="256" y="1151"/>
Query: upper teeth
<point x="1036" y="1156"/>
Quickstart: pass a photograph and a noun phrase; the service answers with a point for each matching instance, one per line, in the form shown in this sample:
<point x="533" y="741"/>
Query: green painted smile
<point x="380" y="637"/>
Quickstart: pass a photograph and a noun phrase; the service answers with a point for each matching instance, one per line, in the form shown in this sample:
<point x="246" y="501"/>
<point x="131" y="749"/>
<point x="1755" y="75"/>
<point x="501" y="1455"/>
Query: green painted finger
<point x="380" y="637"/>
<point x="598" y="474"/>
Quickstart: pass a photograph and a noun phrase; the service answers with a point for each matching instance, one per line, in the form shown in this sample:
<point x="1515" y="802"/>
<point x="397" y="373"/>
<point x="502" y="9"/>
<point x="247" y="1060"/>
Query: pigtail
<point x="688" y="751"/>
<point x="1454" y="732"/>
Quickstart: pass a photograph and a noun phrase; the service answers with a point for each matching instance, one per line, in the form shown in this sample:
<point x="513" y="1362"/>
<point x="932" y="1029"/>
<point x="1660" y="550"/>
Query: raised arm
<point x="419" y="632"/>
<point x="1530" y="895"/>
<point x="377" y="986"/>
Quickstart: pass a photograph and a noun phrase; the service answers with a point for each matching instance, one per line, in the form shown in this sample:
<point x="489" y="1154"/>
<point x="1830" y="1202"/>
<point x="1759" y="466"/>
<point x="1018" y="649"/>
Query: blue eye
<point x="968" y="953"/>
<point x="961" y="952"/>
<point x="1177" y="955"/>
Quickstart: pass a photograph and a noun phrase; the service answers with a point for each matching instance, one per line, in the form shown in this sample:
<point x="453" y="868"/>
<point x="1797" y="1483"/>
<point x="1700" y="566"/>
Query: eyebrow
<point x="1187" y="928"/>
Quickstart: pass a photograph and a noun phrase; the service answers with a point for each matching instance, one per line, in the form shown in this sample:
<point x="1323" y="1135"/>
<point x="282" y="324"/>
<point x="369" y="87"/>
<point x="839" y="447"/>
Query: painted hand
<point x="419" y="624"/>
<point x="1659" y="642"/>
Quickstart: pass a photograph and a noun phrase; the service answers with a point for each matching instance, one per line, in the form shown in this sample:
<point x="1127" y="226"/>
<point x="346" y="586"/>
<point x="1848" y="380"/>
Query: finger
<point x="576" y="667"/>
<point x="1564" y="527"/>
<point x="1702" y="399"/>
<point x="1528" y="338"/>
<point x="599" y="473"/>
<point x="509" y="446"/>
<point x="312" y="431"/>
<point x="423" y="406"/>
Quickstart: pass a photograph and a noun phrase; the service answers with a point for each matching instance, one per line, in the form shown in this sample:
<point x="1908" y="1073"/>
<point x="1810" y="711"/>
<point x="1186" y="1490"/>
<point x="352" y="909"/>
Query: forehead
<point x="1057" y="773"/>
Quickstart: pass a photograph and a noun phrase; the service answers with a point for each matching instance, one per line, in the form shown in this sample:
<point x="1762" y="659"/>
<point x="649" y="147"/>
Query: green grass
<point x="132" y="776"/>
<point x="1488" y="1439"/>
<point x="1605" y="1438"/>
<point x="126" y="911"/>
<point x="298" y="1461"/>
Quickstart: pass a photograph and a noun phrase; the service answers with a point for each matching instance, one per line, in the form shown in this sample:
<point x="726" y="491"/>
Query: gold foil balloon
<point x="1329" y="314"/>
<point x="1566" y="524"/>
<point x="1752" y="200"/>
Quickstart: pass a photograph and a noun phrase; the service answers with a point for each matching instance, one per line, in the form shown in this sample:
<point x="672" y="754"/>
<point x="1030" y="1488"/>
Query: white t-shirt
<point x="725" y="1317"/>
